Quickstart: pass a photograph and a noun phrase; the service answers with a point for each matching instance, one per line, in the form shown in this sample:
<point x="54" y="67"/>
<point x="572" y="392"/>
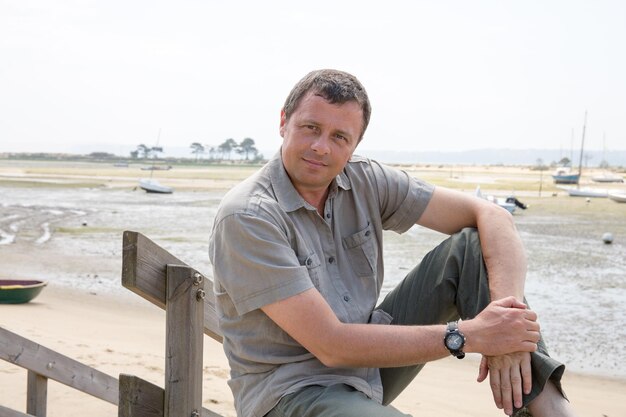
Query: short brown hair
<point x="336" y="87"/>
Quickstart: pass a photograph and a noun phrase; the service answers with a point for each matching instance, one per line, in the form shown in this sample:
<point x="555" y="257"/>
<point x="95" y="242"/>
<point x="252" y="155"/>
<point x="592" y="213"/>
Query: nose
<point x="321" y="145"/>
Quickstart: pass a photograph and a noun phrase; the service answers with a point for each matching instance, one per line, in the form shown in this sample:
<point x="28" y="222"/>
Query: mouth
<point x="314" y="162"/>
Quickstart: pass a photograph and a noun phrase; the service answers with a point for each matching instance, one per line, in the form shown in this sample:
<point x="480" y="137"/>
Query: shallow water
<point x="576" y="283"/>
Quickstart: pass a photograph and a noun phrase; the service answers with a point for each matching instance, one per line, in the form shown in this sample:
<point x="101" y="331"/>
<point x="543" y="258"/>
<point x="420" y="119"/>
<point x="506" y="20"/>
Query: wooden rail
<point x="187" y="296"/>
<point x="144" y="272"/>
<point x="43" y="364"/>
<point x="142" y="398"/>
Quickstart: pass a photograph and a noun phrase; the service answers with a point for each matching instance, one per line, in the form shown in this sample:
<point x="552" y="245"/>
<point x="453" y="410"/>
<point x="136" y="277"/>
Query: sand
<point x="126" y="335"/>
<point x="112" y="330"/>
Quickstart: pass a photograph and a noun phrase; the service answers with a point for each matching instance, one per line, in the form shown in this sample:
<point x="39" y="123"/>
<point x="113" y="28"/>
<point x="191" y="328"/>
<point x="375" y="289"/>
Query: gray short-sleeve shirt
<point x="268" y="244"/>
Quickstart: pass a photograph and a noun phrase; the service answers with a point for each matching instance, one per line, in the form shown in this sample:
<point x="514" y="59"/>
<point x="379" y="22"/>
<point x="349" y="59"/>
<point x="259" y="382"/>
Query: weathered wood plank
<point x="36" y="394"/>
<point x="140" y="398"/>
<point x="144" y="265"/>
<point x="183" y="345"/>
<point x="50" y="364"/>
<point x="7" y="412"/>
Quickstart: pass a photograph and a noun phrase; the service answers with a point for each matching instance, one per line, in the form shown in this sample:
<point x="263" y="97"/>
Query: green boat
<point x="19" y="291"/>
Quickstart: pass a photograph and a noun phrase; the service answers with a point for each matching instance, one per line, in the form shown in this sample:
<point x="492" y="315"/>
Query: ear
<point x="283" y="122"/>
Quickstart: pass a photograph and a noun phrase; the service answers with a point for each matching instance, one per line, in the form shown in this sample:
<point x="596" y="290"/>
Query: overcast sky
<point x="441" y="75"/>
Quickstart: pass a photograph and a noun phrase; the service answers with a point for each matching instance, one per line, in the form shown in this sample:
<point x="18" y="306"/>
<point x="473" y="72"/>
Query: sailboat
<point x="564" y="175"/>
<point x="606" y="176"/>
<point x="151" y="185"/>
<point x="583" y="192"/>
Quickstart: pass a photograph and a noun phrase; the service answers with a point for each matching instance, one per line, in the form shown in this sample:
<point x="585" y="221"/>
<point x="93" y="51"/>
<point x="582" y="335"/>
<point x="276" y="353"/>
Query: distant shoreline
<point x="615" y="159"/>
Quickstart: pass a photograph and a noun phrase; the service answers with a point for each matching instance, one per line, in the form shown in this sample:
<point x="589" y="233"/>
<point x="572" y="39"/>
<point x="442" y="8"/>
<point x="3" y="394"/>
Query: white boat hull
<point x="153" y="186"/>
<point x="607" y="178"/>
<point x="586" y="192"/>
<point x="618" y="197"/>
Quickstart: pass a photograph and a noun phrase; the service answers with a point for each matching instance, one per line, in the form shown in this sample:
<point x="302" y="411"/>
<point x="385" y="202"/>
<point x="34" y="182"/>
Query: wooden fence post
<point x="36" y="394"/>
<point x="184" y="338"/>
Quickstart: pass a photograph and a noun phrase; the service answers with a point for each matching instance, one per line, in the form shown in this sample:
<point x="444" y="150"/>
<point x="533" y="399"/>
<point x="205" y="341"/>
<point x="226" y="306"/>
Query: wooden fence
<point x="187" y="297"/>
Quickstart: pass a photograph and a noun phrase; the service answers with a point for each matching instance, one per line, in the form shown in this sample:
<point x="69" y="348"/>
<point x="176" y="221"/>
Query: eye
<point x="311" y="127"/>
<point x="341" y="137"/>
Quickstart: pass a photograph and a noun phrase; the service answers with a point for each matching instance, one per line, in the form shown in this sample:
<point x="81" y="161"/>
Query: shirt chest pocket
<point x="361" y="249"/>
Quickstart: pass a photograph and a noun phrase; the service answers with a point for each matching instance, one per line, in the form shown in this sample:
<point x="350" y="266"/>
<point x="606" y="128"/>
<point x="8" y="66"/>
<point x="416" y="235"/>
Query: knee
<point x="468" y="237"/>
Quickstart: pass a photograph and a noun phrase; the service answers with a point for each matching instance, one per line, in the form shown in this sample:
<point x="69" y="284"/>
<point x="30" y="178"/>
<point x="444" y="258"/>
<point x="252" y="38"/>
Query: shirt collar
<point x="287" y="195"/>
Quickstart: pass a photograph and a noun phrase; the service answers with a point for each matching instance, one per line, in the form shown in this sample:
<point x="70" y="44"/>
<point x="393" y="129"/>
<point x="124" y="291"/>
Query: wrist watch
<point x="454" y="340"/>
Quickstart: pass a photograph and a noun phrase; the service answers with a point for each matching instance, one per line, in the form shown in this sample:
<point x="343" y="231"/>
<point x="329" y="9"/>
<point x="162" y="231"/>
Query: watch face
<point x="454" y="341"/>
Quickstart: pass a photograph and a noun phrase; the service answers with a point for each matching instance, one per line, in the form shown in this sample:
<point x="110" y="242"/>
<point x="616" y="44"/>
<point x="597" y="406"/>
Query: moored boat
<point x="19" y="291"/>
<point x="585" y="192"/>
<point x="565" y="176"/>
<point x="157" y="168"/>
<point x="509" y="204"/>
<point x="153" y="186"/>
<point x="617" y="196"/>
<point x="607" y="178"/>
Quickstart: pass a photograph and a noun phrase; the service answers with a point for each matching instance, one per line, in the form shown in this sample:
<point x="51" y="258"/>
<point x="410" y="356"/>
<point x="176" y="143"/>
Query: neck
<point x="316" y="198"/>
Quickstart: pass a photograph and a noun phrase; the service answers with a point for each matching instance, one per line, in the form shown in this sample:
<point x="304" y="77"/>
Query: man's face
<point x="318" y="141"/>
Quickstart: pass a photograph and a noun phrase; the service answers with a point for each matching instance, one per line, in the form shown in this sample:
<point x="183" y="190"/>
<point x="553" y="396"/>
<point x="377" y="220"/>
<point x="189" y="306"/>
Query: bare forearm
<point x="501" y="328"/>
<point x="382" y="346"/>
<point x="504" y="254"/>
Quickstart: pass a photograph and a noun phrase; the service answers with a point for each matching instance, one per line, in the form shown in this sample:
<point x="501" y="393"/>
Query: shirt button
<point x="346" y="298"/>
<point x="331" y="259"/>
<point x="328" y="215"/>
<point x="367" y="233"/>
<point x="308" y="262"/>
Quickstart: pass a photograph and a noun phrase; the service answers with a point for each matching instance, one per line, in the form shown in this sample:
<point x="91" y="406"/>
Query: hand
<point x="504" y="326"/>
<point x="510" y="377"/>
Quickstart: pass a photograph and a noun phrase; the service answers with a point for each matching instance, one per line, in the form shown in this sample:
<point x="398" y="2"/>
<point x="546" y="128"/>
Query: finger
<point x="527" y="376"/>
<point x="516" y="387"/>
<point x="494" y="382"/>
<point x="483" y="370"/>
<point x="506" y="391"/>
<point x="510" y="302"/>
<point x="534" y="336"/>
<point x="530" y="315"/>
<point x="527" y="346"/>
<point x="532" y="326"/>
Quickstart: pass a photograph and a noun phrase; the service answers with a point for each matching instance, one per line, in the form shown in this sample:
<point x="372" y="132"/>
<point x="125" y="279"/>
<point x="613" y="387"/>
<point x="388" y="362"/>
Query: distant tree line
<point x="146" y="152"/>
<point x="246" y="149"/>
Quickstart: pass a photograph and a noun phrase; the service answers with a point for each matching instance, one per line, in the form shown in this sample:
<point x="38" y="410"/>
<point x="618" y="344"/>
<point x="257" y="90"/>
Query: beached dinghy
<point x="19" y="291"/>
<point x="618" y="197"/>
<point x="564" y="176"/>
<point x="150" y="185"/>
<point x="585" y="192"/>
<point x="607" y="178"/>
<point x="510" y="203"/>
<point x="153" y="186"/>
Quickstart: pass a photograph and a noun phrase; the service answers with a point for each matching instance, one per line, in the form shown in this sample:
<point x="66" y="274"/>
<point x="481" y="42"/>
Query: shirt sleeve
<point x="254" y="263"/>
<point x="402" y="198"/>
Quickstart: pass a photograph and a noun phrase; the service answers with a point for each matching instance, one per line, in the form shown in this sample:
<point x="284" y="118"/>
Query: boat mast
<point x="153" y="156"/>
<point x="582" y="146"/>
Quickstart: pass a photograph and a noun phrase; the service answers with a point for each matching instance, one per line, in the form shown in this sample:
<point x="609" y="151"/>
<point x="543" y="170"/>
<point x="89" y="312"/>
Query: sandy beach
<point x="85" y="314"/>
<point x="126" y="335"/>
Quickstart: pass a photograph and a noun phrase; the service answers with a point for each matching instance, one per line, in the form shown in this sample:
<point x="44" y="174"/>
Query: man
<point x="298" y="267"/>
